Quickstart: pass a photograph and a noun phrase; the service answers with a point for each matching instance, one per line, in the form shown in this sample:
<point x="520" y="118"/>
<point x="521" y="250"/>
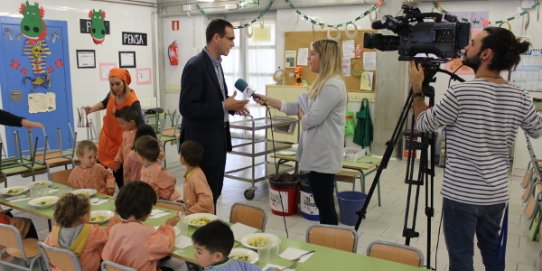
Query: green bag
<point x="363" y="135"/>
<point x="349" y="123"/>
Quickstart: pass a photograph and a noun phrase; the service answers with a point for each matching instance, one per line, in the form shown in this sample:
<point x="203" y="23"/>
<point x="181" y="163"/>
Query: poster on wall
<point x="143" y="76"/>
<point x="104" y="70"/>
<point x="41" y="102"/>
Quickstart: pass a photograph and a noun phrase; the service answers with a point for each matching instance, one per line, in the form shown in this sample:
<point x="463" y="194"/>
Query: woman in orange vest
<point x="120" y="95"/>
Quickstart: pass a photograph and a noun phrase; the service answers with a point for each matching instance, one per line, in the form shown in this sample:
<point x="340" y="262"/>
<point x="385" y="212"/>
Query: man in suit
<point x="204" y="103"/>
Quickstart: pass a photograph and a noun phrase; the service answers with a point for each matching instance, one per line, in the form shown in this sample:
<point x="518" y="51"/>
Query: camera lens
<point x="381" y="42"/>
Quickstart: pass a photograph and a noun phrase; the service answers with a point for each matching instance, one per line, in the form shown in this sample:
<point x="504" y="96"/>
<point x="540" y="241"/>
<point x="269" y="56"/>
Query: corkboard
<point x="295" y="40"/>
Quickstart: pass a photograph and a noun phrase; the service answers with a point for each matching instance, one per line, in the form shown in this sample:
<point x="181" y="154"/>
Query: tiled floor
<point x="382" y="223"/>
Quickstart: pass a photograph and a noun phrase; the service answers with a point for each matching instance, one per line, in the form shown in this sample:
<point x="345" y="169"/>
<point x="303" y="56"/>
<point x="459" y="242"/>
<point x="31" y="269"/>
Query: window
<point x="252" y="59"/>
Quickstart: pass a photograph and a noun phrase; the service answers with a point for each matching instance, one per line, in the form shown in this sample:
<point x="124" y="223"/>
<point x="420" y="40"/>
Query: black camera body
<point x="415" y="35"/>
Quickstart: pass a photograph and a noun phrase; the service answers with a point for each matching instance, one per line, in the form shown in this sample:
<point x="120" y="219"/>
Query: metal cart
<point x="253" y="147"/>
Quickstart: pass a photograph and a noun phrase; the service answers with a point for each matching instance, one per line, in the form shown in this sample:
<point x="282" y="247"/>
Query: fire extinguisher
<point x="173" y="54"/>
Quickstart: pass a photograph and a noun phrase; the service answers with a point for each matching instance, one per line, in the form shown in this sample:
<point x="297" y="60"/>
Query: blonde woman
<point x="322" y="138"/>
<point x="119" y="96"/>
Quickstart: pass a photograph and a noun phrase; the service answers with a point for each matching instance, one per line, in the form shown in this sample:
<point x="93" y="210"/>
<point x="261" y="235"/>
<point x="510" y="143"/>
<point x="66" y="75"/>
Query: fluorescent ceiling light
<point x="206" y="1"/>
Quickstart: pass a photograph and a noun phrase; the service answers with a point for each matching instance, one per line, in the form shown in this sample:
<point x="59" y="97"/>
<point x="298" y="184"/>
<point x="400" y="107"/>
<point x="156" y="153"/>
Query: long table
<point x="324" y="258"/>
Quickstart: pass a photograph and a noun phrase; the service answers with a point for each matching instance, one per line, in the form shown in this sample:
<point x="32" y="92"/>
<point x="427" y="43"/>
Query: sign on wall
<point x="133" y="38"/>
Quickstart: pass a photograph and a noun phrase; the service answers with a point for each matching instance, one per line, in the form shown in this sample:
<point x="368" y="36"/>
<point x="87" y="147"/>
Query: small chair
<point x="248" y="215"/>
<point x="112" y="266"/>
<point x="173" y="205"/>
<point x="333" y="236"/>
<point x="60" y="177"/>
<point x="27" y="249"/>
<point x="61" y="258"/>
<point x="539" y="261"/>
<point x="395" y="252"/>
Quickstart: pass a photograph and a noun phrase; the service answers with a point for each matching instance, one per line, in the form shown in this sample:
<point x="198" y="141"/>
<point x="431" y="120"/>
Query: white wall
<point x="86" y="85"/>
<point x="287" y="20"/>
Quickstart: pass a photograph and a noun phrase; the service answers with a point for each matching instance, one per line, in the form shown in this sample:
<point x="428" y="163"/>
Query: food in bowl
<point x="15" y="190"/>
<point x="45" y="202"/>
<point x="245" y="258"/>
<point x="258" y="242"/>
<point x="98" y="218"/>
<point x="199" y="221"/>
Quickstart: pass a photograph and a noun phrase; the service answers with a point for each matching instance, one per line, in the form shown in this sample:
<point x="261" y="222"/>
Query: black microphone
<point x="243" y="86"/>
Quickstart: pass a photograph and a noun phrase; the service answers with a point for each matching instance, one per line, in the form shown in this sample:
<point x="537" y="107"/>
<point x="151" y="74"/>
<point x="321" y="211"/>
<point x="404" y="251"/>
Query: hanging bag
<point x="363" y="134"/>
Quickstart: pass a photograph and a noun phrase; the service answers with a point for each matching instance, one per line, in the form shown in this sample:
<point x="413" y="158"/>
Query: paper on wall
<point x="366" y="81"/>
<point x="290" y="59"/>
<point x="347" y="69"/>
<point x="41" y="102"/>
<point x="369" y="61"/>
<point x="348" y="49"/>
<point x="302" y="56"/>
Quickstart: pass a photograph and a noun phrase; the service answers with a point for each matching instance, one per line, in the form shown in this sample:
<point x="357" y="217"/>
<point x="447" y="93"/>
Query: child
<point x="213" y="243"/>
<point x="132" y="166"/>
<point x="131" y="243"/>
<point x="89" y="174"/>
<point x="148" y="149"/>
<point x="72" y="214"/>
<point x="129" y="121"/>
<point x="197" y="193"/>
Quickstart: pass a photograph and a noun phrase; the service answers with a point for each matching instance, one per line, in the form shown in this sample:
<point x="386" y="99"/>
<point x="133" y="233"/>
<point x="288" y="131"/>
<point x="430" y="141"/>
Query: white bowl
<point x="259" y="240"/>
<point x="86" y="191"/>
<point x="43" y="183"/>
<point x="244" y="254"/>
<point x="43" y="202"/>
<point x="100" y="216"/>
<point x="13" y="190"/>
<point x="200" y="219"/>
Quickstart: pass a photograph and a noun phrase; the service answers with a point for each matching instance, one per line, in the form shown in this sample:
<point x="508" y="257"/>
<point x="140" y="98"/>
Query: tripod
<point x="426" y="167"/>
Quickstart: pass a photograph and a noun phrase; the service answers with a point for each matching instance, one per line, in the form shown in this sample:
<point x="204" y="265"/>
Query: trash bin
<point x="283" y="194"/>
<point x="306" y="199"/>
<point x="349" y="203"/>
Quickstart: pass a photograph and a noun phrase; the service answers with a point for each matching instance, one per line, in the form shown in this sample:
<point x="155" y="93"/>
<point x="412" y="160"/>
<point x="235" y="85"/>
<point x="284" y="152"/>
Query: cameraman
<point x="481" y="119"/>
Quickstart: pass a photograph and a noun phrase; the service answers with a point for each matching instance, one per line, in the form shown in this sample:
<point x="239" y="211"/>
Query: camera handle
<point x="425" y="172"/>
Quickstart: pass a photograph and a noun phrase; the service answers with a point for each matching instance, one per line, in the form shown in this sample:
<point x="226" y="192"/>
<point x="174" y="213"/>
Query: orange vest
<point x="111" y="135"/>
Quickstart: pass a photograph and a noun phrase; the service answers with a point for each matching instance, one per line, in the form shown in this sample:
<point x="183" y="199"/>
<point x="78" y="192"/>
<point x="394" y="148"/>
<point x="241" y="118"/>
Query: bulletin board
<point x="296" y="40"/>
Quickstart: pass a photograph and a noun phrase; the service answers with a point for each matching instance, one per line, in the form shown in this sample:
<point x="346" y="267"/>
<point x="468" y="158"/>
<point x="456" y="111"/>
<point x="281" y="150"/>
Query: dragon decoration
<point x="97" y="25"/>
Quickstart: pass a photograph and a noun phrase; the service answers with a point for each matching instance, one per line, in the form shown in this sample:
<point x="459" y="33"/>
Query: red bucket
<point x="283" y="193"/>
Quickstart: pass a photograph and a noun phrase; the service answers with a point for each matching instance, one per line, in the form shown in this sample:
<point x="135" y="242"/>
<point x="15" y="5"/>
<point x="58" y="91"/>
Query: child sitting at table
<point x="163" y="182"/>
<point x="196" y="194"/>
<point x="213" y="243"/>
<point x="132" y="166"/>
<point x="130" y="242"/>
<point x="89" y="174"/>
<point x="73" y="231"/>
<point x="129" y="121"/>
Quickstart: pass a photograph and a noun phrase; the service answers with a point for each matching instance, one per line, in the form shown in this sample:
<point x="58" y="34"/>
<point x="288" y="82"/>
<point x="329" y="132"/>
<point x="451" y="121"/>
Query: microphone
<point x="243" y="86"/>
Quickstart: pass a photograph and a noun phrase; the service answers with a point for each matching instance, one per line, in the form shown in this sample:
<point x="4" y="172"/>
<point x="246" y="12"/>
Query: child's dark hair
<point x="70" y="208"/>
<point x="84" y="146"/>
<point x="192" y="152"/>
<point x="135" y="199"/>
<point x="148" y="147"/>
<point x="142" y="130"/>
<point x="128" y="114"/>
<point x="216" y="236"/>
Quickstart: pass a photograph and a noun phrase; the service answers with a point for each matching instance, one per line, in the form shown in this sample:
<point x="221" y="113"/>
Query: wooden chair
<point x="27" y="249"/>
<point x="173" y="205"/>
<point x="248" y="215"/>
<point x="60" y="177"/>
<point x="539" y="261"/>
<point x="112" y="266"/>
<point x="532" y="203"/>
<point x="395" y="252"/>
<point x="61" y="258"/>
<point x="170" y="134"/>
<point x="333" y="236"/>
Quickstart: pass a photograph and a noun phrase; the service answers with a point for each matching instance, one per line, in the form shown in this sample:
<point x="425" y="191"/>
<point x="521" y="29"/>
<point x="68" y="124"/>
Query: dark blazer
<point x="200" y="105"/>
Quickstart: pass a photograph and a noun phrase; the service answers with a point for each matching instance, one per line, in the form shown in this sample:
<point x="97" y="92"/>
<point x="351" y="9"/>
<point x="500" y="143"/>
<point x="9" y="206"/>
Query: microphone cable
<point x="268" y="111"/>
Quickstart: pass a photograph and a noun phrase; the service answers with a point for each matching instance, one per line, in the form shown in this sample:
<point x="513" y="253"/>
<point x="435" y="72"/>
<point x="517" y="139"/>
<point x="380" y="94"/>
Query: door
<point x="35" y="81"/>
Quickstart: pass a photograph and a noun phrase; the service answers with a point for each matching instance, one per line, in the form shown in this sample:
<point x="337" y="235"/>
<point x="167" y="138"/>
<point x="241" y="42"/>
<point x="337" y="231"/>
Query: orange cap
<point x="122" y="74"/>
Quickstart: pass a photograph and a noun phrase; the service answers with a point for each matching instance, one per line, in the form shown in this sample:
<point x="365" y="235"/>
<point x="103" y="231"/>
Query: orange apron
<point x="111" y="135"/>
